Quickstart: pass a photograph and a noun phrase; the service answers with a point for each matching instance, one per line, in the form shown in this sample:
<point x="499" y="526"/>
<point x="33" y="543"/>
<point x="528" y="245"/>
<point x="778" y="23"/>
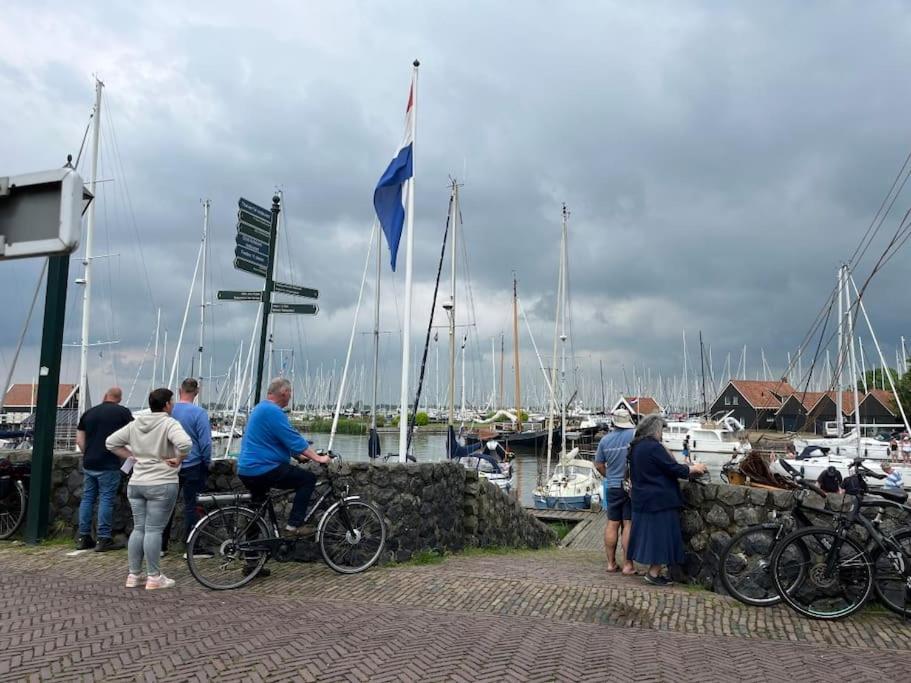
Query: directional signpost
<point x="231" y="295"/>
<point x="294" y="290"/>
<point x="254" y="252"/>
<point x="305" y="309"/>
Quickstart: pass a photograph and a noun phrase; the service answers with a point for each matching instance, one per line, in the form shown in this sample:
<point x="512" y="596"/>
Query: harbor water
<point x="432" y="448"/>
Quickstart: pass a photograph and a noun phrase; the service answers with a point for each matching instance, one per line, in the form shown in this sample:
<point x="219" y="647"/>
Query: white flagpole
<point x="409" y="249"/>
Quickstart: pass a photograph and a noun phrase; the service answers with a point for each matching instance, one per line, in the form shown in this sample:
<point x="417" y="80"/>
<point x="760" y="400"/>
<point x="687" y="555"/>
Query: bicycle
<point x="744" y="563"/>
<point x="826" y="573"/>
<point x="13" y="499"/>
<point x="229" y="546"/>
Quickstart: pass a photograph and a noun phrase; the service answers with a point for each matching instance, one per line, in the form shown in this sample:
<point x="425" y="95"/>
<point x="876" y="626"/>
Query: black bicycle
<point x="228" y="547"/>
<point x="744" y="563"/>
<point x="13" y="498"/>
<point x="829" y="573"/>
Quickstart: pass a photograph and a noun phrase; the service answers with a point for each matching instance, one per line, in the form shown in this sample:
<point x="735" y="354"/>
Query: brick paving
<point x="537" y="616"/>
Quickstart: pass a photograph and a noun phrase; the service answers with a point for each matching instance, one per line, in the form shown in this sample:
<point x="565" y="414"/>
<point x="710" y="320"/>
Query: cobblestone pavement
<point x="537" y="616"/>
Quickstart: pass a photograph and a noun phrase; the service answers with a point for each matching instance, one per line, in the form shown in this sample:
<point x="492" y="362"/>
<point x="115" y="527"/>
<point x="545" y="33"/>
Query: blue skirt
<point x="655" y="538"/>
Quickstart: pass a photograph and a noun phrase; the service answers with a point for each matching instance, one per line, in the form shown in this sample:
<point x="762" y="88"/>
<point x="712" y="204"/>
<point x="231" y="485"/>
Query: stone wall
<point x="427" y="506"/>
<point x="714" y="513"/>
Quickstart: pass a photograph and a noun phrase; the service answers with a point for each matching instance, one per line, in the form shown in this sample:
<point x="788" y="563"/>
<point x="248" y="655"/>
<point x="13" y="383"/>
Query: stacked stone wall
<point x="439" y="507"/>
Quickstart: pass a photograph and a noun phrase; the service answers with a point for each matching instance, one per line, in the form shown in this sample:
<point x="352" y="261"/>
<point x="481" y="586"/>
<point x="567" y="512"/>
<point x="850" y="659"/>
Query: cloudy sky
<point x="719" y="160"/>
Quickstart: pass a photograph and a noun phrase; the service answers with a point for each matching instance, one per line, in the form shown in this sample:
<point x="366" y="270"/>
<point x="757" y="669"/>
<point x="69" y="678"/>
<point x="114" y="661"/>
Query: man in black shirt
<point x="830" y="480"/>
<point x="100" y="467"/>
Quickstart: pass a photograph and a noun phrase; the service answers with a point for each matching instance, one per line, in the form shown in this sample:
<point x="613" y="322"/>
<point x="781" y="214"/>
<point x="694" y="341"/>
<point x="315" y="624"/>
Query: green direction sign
<point x="252" y="231"/>
<point x="251" y="243"/>
<point x="254" y="268"/>
<point x="294" y="290"/>
<point x="251" y="256"/>
<point x="233" y="295"/>
<point x="255" y="209"/>
<point x="255" y="221"/>
<point x="305" y="309"/>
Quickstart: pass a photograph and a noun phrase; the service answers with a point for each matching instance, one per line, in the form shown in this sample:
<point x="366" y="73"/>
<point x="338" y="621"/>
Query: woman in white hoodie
<point x="157" y="443"/>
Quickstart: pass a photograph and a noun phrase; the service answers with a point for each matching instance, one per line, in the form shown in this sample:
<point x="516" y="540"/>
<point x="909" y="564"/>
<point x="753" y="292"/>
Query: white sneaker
<point x="160" y="581"/>
<point x="134" y="580"/>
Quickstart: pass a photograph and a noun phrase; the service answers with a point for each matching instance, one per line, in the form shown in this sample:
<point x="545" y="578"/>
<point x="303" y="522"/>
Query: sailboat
<point x="489" y="460"/>
<point x="506" y="426"/>
<point x="574" y="484"/>
<point x="817" y="455"/>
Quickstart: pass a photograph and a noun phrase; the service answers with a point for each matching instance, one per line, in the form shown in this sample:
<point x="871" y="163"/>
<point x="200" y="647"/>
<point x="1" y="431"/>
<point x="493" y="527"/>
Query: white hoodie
<point x="153" y="438"/>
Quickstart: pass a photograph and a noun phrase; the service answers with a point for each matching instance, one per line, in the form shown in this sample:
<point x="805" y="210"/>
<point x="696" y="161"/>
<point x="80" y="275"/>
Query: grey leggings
<point x="152" y="506"/>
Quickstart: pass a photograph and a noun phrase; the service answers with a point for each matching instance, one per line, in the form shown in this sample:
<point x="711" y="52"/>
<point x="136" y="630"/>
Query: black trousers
<point x="285" y="476"/>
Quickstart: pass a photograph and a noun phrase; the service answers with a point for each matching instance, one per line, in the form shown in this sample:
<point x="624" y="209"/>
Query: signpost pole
<point x="267" y="300"/>
<point x="46" y="409"/>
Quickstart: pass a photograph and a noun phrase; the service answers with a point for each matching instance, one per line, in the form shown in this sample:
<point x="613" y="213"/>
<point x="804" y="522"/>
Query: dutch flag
<point x="390" y="195"/>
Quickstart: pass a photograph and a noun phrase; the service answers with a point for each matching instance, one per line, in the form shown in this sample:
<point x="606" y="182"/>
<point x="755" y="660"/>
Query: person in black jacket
<point x="656" y="538"/>
<point x="100" y="467"/>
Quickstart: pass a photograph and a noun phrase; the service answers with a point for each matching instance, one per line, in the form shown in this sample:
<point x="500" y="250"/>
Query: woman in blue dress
<point x="656" y="538"/>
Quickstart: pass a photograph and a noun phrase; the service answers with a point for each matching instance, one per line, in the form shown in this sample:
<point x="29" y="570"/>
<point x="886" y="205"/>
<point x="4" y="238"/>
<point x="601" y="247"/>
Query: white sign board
<point x="41" y="213"/>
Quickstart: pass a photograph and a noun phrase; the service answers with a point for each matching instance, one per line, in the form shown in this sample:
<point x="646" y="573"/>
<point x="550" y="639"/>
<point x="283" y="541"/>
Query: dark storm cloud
<point x="719" y="161"/>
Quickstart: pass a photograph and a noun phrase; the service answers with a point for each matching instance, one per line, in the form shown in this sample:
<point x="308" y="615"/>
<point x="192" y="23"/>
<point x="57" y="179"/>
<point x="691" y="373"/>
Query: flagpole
<point x="409" y="249"/>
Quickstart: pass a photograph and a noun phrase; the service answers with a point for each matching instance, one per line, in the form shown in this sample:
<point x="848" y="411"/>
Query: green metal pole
<point x="267" y="300"/>
<point x="46" y="409"/>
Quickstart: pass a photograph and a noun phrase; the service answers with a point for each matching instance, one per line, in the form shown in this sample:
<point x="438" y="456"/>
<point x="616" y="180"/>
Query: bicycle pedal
<point x="284" y="552"/>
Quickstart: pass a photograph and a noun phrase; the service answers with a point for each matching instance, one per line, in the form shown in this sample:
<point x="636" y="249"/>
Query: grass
<point x="428" y="557"/>
<point x="561" y="529"/>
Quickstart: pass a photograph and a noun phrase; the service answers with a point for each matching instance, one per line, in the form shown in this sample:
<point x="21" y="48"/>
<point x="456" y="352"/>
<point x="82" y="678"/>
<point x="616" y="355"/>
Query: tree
<point x="876" y="377"/>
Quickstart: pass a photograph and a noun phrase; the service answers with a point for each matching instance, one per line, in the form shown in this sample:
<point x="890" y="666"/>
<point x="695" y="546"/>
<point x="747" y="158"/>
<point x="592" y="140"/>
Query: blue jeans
<point x="152" y="507"/>
<point x="193" y="481"/>
<point x="105" y="483"/>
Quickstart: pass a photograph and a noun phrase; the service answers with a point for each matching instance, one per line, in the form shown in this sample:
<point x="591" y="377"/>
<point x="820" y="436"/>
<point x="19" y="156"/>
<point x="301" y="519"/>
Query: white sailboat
<point x="574" y="483"/>
<point x="839" y="452"/>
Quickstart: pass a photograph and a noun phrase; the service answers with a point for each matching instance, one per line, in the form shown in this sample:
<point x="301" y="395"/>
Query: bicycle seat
<point x="894" y="496"/>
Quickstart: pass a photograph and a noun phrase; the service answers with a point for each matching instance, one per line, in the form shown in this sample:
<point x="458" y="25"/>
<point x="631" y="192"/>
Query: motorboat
<point x="814" y="460"/>
<point x="490" y="461"/>
<point x="574" y="485"/>
<point x="847" y="446"/>
<point x="724" y="437"/>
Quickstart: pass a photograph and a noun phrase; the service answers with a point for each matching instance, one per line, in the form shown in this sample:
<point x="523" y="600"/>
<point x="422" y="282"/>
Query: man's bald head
<point x="113" y="395"/>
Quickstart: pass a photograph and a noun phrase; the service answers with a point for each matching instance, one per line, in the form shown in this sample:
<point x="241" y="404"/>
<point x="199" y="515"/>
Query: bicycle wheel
<point x="213" y="556"/>
<point x="891" y="586"/>
<point x="352" y="535"/>
<point x="12" y="509"/>
<point x="822" y="593"/>
<point x="744" y="565"/>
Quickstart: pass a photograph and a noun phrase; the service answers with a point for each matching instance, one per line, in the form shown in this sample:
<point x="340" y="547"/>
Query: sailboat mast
<point x="515" y="337"/>
<point x="502" y="400"/>
<point x="376" y="332"/>
<point x="839" y="390"/>
<point x="850" y="331"/>
<point x="155" y="358"/>
<point x="686" y="406"/>
<point x="603" y="398"/>
<point x="464" y="343"/>
<point x="553" y="364"/>
<point x="202" y="289"/>
<point x="87" y="258"/>
<point x="705" y="408"/>
<point x="454" y="221"/>
<point x="493" y="376"/>
<point x="563" y="260"/>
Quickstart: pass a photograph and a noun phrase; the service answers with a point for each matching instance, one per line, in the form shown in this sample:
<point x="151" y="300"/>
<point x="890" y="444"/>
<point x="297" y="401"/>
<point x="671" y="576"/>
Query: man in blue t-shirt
<point x="269" y="442"/>
<point x="610" y="461"/>
<point x="194" y="470"/>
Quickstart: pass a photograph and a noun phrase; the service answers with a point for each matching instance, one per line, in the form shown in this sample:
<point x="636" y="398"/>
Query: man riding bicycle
<point x="269" y="441"/>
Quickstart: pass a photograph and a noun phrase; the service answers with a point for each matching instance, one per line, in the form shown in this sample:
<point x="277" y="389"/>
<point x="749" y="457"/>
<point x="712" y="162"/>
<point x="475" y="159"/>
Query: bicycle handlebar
<point x="799" y="479"/>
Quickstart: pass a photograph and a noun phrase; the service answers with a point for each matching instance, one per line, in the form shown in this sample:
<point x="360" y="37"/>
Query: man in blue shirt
<point x="610" y="461"/>
<point x="194" y="470"/>
<point x="269" y="442"/>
